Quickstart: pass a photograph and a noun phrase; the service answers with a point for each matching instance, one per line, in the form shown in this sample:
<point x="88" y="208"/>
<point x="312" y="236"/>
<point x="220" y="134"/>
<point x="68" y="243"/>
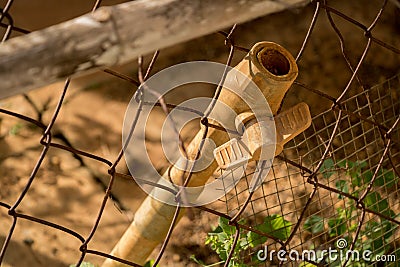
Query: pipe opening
<point x="275" y="62"/>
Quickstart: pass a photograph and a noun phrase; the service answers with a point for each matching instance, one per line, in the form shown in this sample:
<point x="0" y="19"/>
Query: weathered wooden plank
<point x="115" y="35"/>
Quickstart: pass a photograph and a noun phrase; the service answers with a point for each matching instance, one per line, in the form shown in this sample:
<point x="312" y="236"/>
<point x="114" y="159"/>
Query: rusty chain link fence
<point x="334" y="186"/>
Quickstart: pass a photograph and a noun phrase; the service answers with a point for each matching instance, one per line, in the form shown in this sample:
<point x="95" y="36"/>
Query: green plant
<point x="221" y="239"/>
<point x="375" y="235"/>
<point x="150" y="263"/>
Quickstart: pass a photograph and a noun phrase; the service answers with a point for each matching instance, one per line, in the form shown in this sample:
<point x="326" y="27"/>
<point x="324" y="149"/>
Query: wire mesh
<point x="337" y="180"/>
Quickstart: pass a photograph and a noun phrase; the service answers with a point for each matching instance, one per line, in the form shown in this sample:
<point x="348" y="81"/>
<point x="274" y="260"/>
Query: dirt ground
<point x="69" y="191"/>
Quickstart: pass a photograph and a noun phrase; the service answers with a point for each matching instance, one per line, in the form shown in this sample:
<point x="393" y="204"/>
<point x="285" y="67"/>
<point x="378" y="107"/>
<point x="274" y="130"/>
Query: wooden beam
<point x="115" y="35"/>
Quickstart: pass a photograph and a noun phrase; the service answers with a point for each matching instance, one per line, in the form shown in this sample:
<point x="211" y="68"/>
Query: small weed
<point x="221" y="239"/>
<point x="150" y="263"/>
<point x="375" y="235"/>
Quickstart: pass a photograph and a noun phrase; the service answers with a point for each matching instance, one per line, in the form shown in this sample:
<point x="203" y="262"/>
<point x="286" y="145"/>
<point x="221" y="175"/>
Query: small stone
<point x="176" y="257"/>
<point x="29" y="241"/>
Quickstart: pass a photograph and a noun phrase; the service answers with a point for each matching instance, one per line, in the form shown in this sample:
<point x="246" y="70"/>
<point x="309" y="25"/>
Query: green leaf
<point x="379" y="235"/>
<point x="390" y="213"/>
<point x="337" y="226"/>
<point x="217" y="229"/>
<point x="342" y="186"/>
<point x="372" y="198"/>
<point x="385" y="178"/>
<point x="356" y="180"/>
<point x="379" y="181"/>
<point x="255" y="239"/>
<point x="193" y="258"/>
<point x="273" y="225"/>
<point x="224" y="224"/>
<point x="244" y="243"/>
<point x="362" y="164"/>
<point x="374" y="201"/>
<point x="355" y="170"/>
<point x="276" y="226"/>
<point x="367" y="176"/>
<point x="343" y="164"/>
<point x="356" y="165"/>
<point x="320" y="256"/>
<point x="222" y="237"/>
<point x="390" y="179"/>
<point x="390" y="229"/>
<point x="223" y="254"/>
<point x="150" y="263"/>
<point x="314" y="224"/>
<point x="353" y="227"/>
<point x="221" y="241"/>
<point x="327" y="168"/>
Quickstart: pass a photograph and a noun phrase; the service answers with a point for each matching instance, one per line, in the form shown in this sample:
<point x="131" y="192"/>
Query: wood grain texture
<point x="115" y="35"/>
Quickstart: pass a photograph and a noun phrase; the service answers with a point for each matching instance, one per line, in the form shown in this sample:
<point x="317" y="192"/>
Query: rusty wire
<point x="310" y="170"/>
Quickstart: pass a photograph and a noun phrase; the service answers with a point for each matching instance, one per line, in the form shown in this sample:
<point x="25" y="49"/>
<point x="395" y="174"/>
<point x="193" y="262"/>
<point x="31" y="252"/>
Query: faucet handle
<point x="232" y="154"/>
<point x="290" y="123"/>
<point x="256" y="136"/>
